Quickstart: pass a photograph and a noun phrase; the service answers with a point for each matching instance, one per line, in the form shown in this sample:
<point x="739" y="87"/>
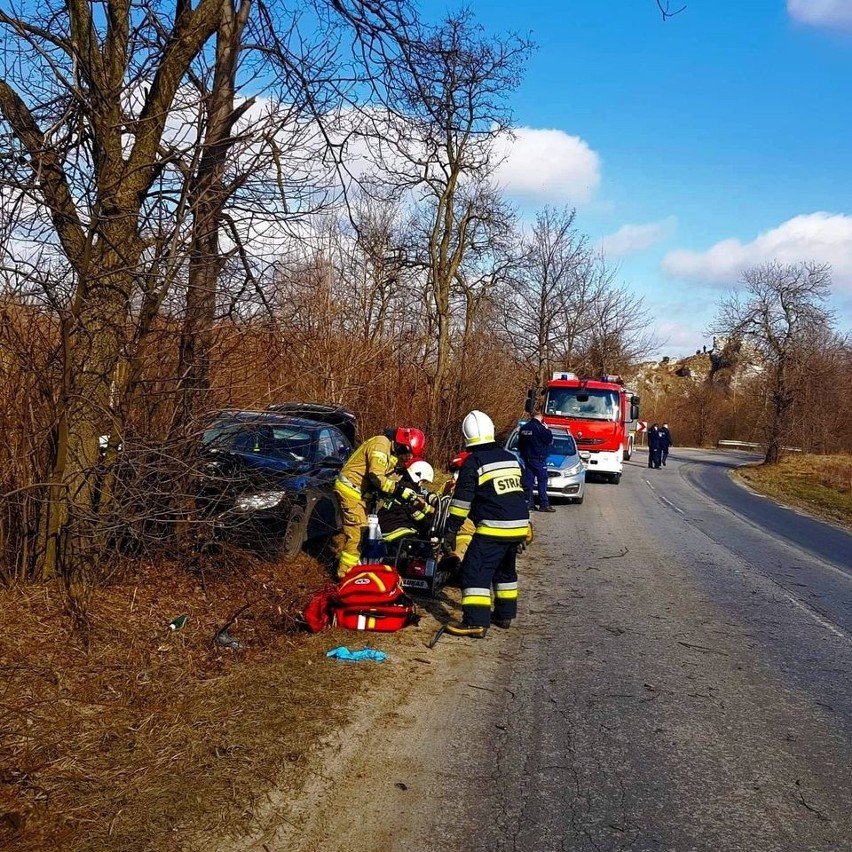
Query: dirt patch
<point x="128" y="735"/>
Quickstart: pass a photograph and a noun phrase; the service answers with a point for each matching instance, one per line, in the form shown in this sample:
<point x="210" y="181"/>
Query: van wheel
<point x="578" y="500"/>
<point x="616" y="478"/>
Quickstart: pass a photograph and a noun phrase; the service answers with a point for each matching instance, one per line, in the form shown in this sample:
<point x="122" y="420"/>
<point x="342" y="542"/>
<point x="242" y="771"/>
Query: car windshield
<point x="289" y="443"/>
<point x="582" y="403"/>
<point x="563" y="445"/>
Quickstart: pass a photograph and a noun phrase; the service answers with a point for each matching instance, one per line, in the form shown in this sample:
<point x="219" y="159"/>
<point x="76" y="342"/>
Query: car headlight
<point x="573" y="470"/>
<point x="262" y="500"/>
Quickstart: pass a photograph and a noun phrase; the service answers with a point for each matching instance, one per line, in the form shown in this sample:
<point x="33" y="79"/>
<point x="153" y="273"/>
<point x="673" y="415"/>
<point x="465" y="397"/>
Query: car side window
<point x="326" y="445"/>
<point x="247" y="441"/>
<point x="342" y="447"/>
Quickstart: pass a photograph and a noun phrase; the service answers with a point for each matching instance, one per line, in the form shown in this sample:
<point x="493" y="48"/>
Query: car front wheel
<point x="296" y="533"/>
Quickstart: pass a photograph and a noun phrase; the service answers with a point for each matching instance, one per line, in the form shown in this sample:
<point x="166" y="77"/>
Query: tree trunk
<point x="93" y="338"/>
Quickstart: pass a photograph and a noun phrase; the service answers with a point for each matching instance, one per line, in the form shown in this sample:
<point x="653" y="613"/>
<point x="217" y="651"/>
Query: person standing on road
<point x="534" y="441"/>
<point x="654" y="446"/>
<point x="369" y="473"/>
<point x="665" y="442"/>
<point x="489" y="492"/>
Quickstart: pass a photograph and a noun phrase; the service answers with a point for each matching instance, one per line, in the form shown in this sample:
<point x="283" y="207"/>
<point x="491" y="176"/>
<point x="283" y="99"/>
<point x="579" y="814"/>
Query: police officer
<point x="655" y="447"/>
<point x="665" y="442"/>
<point x="371" y="472"/>
<point x="534" y="440"/>
<point x="489" y="491"/>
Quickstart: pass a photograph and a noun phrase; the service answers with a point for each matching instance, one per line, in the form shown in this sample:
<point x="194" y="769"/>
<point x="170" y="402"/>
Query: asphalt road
<point x="678" y="679"/>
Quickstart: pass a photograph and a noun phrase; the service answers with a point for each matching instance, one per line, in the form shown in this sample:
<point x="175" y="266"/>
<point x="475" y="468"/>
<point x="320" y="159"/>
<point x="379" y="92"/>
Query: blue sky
<point x="692" y="148"/>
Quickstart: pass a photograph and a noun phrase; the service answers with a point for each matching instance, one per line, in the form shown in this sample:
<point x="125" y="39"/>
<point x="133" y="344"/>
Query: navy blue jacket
<point x="534" y="440"/>
<point x="489" y="491"/>
<point x="654" y="438"/>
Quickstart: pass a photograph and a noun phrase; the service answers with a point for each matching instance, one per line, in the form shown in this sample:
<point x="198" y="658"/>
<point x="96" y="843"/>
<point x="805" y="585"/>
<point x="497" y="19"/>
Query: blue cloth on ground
<point x="343" y="653"/>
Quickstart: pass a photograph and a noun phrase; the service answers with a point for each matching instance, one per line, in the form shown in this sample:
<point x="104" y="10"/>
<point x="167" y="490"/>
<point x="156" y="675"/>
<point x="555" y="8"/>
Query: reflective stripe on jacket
<point x="375" y="456"/>
<point x="489" y="491"/>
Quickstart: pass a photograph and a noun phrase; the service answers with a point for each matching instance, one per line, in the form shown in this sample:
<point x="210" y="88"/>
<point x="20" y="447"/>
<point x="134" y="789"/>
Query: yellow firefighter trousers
<point x="464" y="536"/>
<point x="354" y="514"/>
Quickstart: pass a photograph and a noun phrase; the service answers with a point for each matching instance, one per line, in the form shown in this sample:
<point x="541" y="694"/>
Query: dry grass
<point x="821" y="485"/>
<point x="129" y="736"/>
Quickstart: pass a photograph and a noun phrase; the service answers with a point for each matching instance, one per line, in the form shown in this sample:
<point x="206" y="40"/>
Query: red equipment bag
<point x="385" y="618"/>
<point x="369" y="584"/>
<point x="369" y="597"/>
<point x="319" y="613"/>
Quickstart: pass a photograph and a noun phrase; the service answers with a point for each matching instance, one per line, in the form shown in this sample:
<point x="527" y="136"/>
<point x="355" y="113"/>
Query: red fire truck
<point x="601" y="414"/>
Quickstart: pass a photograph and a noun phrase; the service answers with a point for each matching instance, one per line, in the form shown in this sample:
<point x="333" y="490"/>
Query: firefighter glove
<point x="448" y="542"/>
<point x="404" y="493"/>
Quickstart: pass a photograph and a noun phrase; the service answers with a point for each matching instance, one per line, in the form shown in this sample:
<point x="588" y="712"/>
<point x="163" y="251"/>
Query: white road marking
<point x="842" y="634"/>
<point x="664" y="500"/>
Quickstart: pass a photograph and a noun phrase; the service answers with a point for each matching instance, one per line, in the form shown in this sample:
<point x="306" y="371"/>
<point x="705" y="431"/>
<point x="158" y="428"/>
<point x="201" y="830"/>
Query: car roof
<point x="334" y="415"/>
<point x="270" y="418"/>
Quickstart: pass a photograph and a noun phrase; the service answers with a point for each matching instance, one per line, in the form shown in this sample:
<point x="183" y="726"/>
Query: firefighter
<point x="489" y="492"/>
<point x="371" y="473"/>
<point x="399" y="518"/>
<point x="465" y="532"/>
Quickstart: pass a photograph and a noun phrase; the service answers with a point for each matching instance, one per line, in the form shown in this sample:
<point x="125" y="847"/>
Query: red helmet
<point x="459" y="460"/>
<point x="412" y="440"/>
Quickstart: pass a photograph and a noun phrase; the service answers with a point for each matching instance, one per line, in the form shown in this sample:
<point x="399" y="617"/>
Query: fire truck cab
<point x="600" y="413"/>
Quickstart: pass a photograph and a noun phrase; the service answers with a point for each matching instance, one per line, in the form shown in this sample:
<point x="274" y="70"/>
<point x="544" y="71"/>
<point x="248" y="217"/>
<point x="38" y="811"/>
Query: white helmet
<point x="478" y="428"/>
<point x="421" y="471"/>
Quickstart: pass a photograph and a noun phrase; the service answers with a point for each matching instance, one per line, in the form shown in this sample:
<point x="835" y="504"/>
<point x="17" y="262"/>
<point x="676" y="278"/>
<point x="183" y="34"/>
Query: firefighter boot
<point x="461" y="628"/>
<point x="502" y="623"/>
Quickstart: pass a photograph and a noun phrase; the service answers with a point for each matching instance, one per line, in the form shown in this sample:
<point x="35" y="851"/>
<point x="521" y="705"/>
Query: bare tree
<point x="778" y="318"/>
<point x="542" y="294"/>
<point x="617" y="332"/>
<point x="448" y="98"/>
<point x="666" y="10"/>
<point x="89" y="158"/>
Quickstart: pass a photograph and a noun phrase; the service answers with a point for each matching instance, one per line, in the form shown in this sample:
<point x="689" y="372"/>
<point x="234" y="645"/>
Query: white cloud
<point x="548" y="165"/>
<point x="820" y="237"/>
<point x="629" y="239"/>
<point x="821" y="13"/>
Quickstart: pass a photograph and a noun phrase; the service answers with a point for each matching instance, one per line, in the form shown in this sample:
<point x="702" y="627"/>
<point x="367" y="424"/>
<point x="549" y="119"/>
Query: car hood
<point x="559" y="462"/>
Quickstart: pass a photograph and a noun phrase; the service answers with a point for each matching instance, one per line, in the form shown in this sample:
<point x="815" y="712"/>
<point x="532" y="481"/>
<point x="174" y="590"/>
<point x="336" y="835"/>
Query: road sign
<point x="641" y="426"/>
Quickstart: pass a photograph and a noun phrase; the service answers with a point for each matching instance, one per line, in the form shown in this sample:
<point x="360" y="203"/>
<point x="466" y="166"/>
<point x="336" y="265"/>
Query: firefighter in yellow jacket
<point x="371" y="472"/>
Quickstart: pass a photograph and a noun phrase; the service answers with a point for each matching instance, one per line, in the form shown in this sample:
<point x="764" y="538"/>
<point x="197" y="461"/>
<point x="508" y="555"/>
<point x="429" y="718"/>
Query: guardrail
<point x="739" y="445"/>
<point x="751" y="445"/>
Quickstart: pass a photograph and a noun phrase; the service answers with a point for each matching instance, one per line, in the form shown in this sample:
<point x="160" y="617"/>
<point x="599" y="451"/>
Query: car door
<point x="333" y="448"/>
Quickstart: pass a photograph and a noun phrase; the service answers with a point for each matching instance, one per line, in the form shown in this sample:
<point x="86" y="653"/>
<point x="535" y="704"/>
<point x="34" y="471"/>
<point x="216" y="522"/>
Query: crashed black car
<point x="268" y="476"/>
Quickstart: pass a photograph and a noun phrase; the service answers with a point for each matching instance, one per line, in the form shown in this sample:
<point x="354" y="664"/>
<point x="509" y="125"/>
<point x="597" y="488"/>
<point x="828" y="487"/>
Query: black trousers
<point x="535" y="473"/>
<point x="489" y="564"/>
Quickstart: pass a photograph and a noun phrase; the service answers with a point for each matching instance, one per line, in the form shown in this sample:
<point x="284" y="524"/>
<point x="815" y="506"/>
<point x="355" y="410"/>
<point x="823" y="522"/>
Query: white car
<point x="566" y="468"/>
